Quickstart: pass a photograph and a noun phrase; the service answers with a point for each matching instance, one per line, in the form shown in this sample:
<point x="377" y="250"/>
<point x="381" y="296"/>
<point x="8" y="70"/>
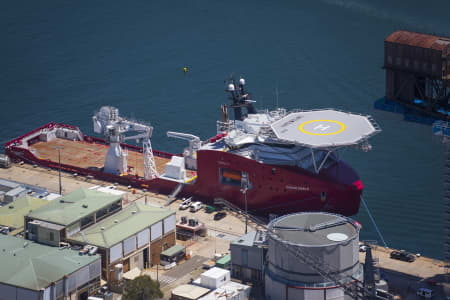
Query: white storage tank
<point x="328" y="238"/>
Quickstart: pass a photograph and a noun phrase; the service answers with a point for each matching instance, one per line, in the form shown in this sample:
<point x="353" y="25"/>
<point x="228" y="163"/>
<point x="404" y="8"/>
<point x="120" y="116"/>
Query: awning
<point x="173" y="250"/>
<point x="132" y="274"/>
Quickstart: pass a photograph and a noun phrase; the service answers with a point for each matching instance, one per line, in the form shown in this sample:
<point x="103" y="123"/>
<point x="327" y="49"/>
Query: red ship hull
<point x="273" y="189"/>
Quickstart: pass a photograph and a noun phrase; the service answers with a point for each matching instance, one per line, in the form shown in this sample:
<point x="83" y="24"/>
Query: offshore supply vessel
<point x="272" y="162"/>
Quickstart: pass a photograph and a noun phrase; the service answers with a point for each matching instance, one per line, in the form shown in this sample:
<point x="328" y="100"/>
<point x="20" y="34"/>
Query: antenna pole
<point x="59" y="148"/>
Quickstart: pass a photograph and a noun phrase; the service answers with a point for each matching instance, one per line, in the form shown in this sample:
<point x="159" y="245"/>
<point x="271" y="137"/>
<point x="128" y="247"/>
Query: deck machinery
<point x="108" y="122"/>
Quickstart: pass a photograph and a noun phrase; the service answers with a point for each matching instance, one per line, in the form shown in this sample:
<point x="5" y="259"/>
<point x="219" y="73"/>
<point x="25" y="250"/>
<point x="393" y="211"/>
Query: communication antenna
<point x="276" y="97"/>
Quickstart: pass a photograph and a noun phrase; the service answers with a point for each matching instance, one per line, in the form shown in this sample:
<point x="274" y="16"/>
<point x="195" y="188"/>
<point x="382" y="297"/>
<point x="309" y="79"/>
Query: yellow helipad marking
<point x="300" y="127"/>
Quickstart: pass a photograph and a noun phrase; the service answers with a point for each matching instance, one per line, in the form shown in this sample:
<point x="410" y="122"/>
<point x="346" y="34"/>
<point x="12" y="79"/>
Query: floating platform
<point x="409" y="113"/>
<point x="441" y="128"/>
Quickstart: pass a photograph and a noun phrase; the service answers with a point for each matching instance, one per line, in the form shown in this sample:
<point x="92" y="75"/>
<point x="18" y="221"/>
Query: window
<point x="87" y="221"/>
<point x="244" y="254"/>
<point x="115" y="206"/>
<point x="231" y="177"/>
<point x="101" y="213"/>
<point x="236" y="271"/>
<point x="52" y="236"/>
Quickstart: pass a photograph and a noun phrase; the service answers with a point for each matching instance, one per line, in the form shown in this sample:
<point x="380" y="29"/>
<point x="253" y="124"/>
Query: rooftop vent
<point x="133" y="212"/>
<point x="116" y="221"/>
<point x="102" y="228"/>
<point x="85" y="206"/>
<point x="11" y="206"/>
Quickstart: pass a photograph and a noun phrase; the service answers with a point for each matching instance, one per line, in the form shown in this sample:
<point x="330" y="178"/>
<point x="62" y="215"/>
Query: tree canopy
<point x="142" y="288"/>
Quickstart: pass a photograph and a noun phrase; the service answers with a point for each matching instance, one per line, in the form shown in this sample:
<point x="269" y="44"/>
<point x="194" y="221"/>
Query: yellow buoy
<point x="185" y="70"/>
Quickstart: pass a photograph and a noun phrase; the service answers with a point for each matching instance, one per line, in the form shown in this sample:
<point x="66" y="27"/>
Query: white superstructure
<point x="307" y="139"/>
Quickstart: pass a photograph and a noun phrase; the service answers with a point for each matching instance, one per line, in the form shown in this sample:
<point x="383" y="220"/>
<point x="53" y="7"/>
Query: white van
<point x="196" y="206"/>
<point x="426" y="293"/>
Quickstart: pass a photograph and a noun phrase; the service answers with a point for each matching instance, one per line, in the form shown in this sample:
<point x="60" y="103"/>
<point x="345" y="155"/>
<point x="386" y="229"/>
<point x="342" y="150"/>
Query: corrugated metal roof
<point x="224" y="260"/>
<point x="418" y="40"/>
<point x="36" y="266"/>
<point x="16" y="191"/>
<point x="74" y="206"/>
<point x="173" y="250"/>
<point x="116" y="228"/>
<point x="7" y="184"/>
<point x="12" y="215"/>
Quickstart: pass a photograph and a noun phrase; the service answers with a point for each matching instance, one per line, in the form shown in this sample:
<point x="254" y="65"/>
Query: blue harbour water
<point x="62" y="60"/>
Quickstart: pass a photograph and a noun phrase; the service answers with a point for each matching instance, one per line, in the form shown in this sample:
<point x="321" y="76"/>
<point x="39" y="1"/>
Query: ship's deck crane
<point x="114" y="128"/>
<point x="190" y="152"/>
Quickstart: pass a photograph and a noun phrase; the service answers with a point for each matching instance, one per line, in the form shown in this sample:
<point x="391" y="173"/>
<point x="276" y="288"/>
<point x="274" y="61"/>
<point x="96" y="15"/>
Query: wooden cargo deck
<point x="90" y="155"/>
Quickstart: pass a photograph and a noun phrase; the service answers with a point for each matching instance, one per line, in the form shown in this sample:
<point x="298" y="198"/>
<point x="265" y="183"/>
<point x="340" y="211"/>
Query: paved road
<point x="186" y="267"/>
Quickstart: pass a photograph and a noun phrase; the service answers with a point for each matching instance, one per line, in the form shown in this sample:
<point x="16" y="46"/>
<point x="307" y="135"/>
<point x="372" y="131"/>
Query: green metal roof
<point x="224" y="260"/>
<point x="72" y="207"/>
<point x="173" y="250"/>
<point x="123" y="224"/>
<point x="34" y="266"/>
<point x="12" y="214"/>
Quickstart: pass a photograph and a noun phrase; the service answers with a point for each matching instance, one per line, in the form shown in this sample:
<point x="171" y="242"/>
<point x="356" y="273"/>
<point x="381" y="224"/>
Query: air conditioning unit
<point x="118" y="272"/>
<point x="183" y="220"/>
<point x="193" y="222"/>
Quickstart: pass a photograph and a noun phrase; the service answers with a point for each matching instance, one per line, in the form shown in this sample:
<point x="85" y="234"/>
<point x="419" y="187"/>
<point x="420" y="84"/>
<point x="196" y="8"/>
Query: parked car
<point x="219" y="216"/>
<point x="402" y="255"/>
<point x="186" y="203"/>
<point x="196" y="206"/>
<point x="209" y="209"/>
<point x="93" y="250"/>
<point x="426" y="293"/>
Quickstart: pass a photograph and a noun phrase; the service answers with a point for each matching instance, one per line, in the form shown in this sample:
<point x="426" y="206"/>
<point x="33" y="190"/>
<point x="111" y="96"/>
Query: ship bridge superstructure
<point x="309" y="139"/>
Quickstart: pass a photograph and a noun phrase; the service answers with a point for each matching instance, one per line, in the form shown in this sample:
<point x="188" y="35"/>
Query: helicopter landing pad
<point x="324" y="128"/>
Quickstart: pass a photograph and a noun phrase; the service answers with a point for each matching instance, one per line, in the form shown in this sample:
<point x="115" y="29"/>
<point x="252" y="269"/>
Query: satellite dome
<point x="242" y="81"/>
<point x="231" y="87"/>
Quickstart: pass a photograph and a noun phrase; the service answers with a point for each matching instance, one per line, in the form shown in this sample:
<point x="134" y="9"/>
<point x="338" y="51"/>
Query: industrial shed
<point x="133" y="237"/>
<point x="12" y="215"/>
<point x="247" y="256"/>
<point x="67" y="215"/>
<point x="30" y="271"/>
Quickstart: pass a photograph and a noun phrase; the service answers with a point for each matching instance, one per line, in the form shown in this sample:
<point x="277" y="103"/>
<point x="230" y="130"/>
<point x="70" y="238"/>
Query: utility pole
<point x="59" y="148"/>
<point x="244" y="188"/>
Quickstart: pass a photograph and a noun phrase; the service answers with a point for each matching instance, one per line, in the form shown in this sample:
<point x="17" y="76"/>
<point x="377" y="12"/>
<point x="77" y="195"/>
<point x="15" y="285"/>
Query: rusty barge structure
<point x="417" y="75"/>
